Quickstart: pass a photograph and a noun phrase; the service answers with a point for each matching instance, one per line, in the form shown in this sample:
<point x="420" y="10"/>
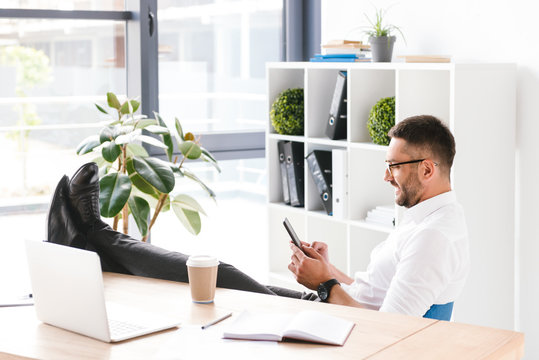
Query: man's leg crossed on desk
<point x="74" y="220"/>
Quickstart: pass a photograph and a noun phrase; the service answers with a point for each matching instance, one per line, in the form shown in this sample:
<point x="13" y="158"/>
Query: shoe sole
<point x="62" y="186"/>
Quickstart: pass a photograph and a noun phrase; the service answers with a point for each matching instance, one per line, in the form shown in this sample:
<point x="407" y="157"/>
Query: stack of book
<point x="340" y="58"/>
<point x="349" y="48"/>
<point x="382" y="215"/>
<point x="426" y="58"/>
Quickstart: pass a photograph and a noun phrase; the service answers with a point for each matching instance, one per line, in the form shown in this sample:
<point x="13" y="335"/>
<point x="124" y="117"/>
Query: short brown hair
<point x="429" y="134"/>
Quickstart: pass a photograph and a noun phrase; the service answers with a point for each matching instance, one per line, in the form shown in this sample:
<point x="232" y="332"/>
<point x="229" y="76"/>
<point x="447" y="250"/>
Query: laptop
<point x="68" y="292"/>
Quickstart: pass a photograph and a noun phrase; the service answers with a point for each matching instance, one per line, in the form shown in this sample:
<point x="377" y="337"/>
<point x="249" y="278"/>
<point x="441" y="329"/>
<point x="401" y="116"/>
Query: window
<point x="64" y="4"/>
<point x="212" y="57"/>
<point x="52" y="71"/>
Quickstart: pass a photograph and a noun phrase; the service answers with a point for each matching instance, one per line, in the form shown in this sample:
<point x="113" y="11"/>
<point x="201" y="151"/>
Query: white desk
<point x="376" y="335"/>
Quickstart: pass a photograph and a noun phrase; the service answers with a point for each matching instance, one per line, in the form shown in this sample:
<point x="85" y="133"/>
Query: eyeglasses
<point x="389" y="165"/>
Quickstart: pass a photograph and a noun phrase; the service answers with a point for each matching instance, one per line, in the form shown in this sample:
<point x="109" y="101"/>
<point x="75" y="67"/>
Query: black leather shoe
<point x="83" y="190"/>
<point x="61" y="227"/>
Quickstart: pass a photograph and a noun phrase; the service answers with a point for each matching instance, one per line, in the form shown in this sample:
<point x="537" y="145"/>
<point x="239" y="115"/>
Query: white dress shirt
<point x="424" y="261"/>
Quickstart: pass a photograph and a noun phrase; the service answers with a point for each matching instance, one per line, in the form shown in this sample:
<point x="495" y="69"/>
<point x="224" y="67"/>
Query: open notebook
<point x="68" y="292"/>
<point x="311" y="326"/>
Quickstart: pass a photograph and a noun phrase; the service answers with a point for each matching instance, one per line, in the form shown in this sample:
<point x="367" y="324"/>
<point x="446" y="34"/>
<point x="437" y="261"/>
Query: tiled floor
<point x="234" y="231"/>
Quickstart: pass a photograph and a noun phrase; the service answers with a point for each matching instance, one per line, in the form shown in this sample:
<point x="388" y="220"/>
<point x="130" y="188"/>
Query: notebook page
<point x="251" y="326"/>
<point x="319" y="327"/>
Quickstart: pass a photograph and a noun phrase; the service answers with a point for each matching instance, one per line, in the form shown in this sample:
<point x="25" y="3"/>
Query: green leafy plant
<point x="286" y="112"/>
<point x="381" y="119"/>
<point x="377" y="28"/>
<point x="132" y="181"/>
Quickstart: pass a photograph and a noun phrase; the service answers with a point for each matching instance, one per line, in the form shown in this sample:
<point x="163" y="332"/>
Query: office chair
<point x="440" y="312"/>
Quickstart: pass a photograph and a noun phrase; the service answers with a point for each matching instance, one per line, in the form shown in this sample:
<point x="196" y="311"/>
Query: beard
<point x="410" y="191"/>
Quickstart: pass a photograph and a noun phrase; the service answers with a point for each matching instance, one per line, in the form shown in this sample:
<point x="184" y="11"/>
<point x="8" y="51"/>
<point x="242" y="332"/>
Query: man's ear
<point x="427" y="169"/>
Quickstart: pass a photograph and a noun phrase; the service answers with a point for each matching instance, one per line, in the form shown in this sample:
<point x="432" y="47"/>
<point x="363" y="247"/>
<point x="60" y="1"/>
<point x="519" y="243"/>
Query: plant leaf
<point x="126" y="108"/>
<point x="128" y="137"/>
<point x="208" y="157"/>
<point x="150" y="140"/>
<point x="88" y="144"/>
<point x="156" y="172"/>
<point x="112" y="100"/>
<point x="175" y="169"/>
<point x="190" y="150"/>
<point x="179" y="128"/>
<point x="114" y="190"/>
<point x="138" y="181"/>
<point x="192" y="176"/>
<point x="135" y="104"/>
<point x="131" y="119"/>
<point x="187" y="202"/>
<point x="101" y="109"/>
<point x="190" y="219"/>
<point x="141" y="124"/>
<point x="134" y="149"/>
<point x="140" y="209"/>
<point x="167" y="138"/>
<point x="111" y="151"/>
<point x="166" y="205"/>
<point x="156" y="129"/>
<point x="106" y="134"/>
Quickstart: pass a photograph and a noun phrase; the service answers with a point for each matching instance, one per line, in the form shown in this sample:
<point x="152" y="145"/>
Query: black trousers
<point x="122" y="254"/>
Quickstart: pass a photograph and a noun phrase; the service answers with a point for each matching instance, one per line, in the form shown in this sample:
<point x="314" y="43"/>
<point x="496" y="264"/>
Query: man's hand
<point x="310" y="268"/>
<point x="322" y="249"/>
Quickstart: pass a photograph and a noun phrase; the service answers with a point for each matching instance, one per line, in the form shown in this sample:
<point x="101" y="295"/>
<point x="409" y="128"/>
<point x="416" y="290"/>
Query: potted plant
<point x="286" y="112"/>
<point x="381" y="119"/>
<point x="133" y="182"/>
<point x="380" y="37"/>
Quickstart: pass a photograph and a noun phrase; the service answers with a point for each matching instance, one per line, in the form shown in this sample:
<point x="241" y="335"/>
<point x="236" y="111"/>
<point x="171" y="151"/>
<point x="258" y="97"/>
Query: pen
<point x="216" y="321"/>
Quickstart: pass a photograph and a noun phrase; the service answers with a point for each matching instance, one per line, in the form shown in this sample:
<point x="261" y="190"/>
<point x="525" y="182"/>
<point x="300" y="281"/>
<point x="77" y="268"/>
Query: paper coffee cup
<point x="202" y="272"/>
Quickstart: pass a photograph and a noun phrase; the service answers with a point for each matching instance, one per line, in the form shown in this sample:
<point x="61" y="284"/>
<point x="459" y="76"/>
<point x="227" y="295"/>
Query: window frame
<point x="300" y="40"/>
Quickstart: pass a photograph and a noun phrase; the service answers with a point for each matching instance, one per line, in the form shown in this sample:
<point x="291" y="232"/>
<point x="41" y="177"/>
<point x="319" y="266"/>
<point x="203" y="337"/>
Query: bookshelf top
<point x="383" y="66"/>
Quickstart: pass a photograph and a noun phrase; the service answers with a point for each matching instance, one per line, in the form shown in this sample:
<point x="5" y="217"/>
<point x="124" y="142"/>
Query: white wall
<point x="478" y="31"/>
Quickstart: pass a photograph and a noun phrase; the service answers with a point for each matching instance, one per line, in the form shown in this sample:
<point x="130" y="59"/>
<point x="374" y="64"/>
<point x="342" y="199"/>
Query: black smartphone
<point x="292" y="233"/>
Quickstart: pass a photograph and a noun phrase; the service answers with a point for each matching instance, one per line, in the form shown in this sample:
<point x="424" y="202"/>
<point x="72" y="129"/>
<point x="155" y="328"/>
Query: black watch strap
<point x="324" y="289"/>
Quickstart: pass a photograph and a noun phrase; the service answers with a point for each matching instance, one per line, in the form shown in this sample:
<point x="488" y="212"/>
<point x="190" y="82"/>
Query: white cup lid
<point x="202" y="261"/>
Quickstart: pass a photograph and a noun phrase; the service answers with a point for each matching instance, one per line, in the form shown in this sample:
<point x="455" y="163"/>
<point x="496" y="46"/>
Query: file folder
<point x="319" y="162"/>
<point x="339" y="183"/>
<point x="336" y="125"/>
<point x="284" y="176"/>
<point x="294" y="168"/>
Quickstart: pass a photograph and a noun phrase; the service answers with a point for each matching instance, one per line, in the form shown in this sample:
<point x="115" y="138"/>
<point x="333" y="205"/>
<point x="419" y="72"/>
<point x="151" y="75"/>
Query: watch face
<point x="322" y="292"/>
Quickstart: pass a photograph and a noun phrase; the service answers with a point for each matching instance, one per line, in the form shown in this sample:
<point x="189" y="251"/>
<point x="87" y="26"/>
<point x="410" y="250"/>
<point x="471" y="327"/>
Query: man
<point x="424" y="262"/>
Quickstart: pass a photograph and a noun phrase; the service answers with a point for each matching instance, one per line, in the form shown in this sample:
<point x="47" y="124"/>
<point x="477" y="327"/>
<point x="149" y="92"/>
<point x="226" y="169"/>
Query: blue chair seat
<point x="440" y="312"/>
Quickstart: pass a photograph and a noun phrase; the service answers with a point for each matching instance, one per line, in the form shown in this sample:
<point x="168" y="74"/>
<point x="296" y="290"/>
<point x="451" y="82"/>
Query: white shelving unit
<point x="476" y="101"/>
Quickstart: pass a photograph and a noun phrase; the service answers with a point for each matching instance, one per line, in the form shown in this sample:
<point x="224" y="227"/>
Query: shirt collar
<point x="419" y="212"/>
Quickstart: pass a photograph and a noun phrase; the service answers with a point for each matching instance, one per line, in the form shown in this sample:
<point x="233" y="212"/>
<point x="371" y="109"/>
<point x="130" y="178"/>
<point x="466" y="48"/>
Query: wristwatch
<point x="325" y="288"/>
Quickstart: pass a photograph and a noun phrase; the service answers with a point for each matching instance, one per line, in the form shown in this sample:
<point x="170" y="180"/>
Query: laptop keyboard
<point x="119" y="328"/>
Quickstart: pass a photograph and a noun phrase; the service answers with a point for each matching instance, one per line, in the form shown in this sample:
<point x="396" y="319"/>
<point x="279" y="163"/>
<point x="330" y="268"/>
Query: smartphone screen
<point x="292" y="233"/>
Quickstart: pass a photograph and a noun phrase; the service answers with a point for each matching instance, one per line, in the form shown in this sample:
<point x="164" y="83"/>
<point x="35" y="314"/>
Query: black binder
<point x="319" y="162"/>
<point x="336" y="125"/>
<point x="293" y="152"/>
<point x="284" y="176"/>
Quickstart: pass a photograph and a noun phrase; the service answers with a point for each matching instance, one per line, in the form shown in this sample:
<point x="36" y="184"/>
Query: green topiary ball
<point x="287" y="112"/>
<point x="381" y="119"/>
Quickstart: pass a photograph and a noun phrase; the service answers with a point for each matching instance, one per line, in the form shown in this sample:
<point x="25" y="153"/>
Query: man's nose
<point x="387" y="175"/>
